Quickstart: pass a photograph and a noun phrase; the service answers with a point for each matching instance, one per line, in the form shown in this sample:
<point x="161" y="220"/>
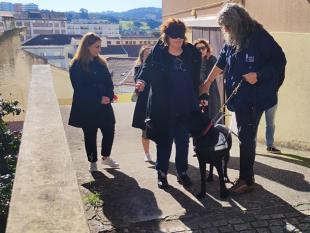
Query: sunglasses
<point x="201" y="48"/>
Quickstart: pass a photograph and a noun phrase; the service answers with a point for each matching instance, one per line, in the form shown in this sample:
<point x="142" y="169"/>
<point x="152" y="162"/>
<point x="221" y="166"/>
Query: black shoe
<point x="273" y="149"/>
<point x="162" y="181"/>
<point x="184" y="180"/>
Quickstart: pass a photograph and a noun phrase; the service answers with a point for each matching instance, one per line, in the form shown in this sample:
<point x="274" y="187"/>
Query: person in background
<point x="141" y="104"/>
<point x="207" y="63"/>
<point x="252" y="58"/>
<point x="172" y="70"/>
<point x="270" y="115"/>
<point x="91" y="105"/>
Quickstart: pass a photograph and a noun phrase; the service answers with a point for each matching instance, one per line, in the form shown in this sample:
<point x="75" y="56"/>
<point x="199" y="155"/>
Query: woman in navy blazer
<point x="92" y="97"/>
<point x="252" y="55"/>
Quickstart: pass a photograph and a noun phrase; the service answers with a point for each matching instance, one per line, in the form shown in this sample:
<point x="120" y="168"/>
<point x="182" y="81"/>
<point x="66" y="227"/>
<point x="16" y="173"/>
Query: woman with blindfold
<point x="172" y="71"/>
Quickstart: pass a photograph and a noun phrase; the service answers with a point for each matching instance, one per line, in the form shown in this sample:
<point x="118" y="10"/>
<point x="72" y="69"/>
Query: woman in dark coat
<point x="141" y="104"/>
<point x="92" y="97"/>
<point x="250" y="55"/>
<point x="172" y="71"/>
<point x="207" y="63"/>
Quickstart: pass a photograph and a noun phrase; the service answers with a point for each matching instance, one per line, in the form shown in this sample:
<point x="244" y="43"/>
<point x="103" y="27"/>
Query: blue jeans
<point x="270" y="126"/>
<point x="180" y="135"/>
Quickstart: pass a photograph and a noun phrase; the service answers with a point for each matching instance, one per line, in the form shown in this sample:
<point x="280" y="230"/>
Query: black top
<point x="182" y="88"/>
<point x="89" y="88"/>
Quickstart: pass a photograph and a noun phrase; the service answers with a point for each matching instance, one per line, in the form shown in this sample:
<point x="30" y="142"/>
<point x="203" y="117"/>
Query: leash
<point x="214" y="121"/>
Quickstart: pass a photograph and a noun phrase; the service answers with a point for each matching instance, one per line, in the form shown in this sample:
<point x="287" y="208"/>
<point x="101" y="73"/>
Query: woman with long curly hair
<point x="253" y="59"/>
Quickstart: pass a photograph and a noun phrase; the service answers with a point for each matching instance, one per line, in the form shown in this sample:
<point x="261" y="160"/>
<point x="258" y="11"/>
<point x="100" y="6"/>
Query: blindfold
<point x="175" y="32"/>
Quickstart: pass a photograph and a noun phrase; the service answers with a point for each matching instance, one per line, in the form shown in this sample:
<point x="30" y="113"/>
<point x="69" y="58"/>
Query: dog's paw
<point x="210" y="179"/>
<point x="201" y="195"/>
<point x="224" y="193"/>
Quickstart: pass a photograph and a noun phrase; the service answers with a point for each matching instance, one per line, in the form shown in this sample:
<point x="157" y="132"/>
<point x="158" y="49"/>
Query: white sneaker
<point x="93" y="167"/>
<point x="110" y="162"/>
<point x="147" y="158"/>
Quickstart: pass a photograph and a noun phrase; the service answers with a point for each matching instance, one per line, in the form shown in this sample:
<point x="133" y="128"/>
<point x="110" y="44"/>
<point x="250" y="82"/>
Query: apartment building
<point x="53" y="47"/>
<point x="41" y="22"/>
<point x="132" y="40"/>
<point x="7" y="21"/>
<point x="8" y="6"/>
<point x="100" y="27"/>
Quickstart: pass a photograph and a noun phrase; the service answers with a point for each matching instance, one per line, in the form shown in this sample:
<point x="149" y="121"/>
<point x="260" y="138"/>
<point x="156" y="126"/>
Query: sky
<point x="91" y="5"/>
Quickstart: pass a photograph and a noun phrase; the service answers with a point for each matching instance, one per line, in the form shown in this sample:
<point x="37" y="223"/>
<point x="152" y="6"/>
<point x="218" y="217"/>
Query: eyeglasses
<point x="201" y="48"/>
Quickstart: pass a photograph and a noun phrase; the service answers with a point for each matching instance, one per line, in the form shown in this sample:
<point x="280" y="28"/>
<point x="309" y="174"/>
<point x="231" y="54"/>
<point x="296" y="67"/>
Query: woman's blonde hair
<point x="82" y="54"/>
<point x="172" y="23"/>
<point x="139" y="61"/>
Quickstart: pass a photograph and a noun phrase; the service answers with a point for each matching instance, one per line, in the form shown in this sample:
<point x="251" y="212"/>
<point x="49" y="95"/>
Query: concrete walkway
<point x="128" y="200"/>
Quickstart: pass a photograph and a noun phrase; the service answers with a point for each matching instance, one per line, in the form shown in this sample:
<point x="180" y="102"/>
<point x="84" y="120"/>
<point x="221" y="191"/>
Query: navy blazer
<point x="261" y="55"/>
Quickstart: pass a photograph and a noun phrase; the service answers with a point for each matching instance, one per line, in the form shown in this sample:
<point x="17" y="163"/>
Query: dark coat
<point x="261" y="55"/>
<point x="155" y="72"/>
<point x="89" y="87"/>
<point x="141" y="104"/>
<point x="214" y="95"/>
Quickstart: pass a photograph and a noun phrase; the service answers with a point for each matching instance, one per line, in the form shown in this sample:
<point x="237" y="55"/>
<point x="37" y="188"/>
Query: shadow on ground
<point x="291" y="158"/>
<point x="125" y="203"/>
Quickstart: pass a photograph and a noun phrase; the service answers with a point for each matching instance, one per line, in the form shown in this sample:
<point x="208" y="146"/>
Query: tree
<point x="83" y="13"/>
<point x="9" y="146"/>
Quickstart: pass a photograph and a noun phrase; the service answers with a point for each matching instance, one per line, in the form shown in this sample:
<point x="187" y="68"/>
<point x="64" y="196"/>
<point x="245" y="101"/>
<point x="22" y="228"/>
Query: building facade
<point x="102" y="28"/>
<point x="289" y="23"/>
<point x="132" y="40"/>
<point x="30" y="7"/>
<point x="41" y="22"/>
<point x="6" y="6"/>
<point x="55" y="48"/>
<point x="7" y="21"/>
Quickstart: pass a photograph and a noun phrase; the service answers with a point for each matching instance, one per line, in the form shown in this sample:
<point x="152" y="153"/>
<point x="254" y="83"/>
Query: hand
<point x="250" y="77"/>
<point x="204" y="103"/>
<point x="140" y="86"/>
<point x="105" y="100"/>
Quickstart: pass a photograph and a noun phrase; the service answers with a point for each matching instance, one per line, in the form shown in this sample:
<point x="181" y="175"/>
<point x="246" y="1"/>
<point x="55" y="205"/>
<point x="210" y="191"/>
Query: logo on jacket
<point x="249" y="58"/>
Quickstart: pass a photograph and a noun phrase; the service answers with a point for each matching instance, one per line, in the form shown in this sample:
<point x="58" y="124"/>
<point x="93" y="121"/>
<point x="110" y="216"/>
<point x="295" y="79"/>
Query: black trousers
<point x="247" y="121"/>
<point x="90" y="138"/>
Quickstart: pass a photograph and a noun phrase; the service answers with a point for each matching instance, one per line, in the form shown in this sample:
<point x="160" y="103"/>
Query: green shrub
<point x="9" y="146"/>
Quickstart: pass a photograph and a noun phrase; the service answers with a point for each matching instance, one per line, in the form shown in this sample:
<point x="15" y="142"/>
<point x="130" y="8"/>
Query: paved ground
<point x="128" y="200"/>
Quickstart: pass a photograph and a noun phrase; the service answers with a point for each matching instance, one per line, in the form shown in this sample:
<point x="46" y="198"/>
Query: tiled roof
<point x="113" y="50"/>
<point x="52" y="39"/>
<point x="122" y="68"/>
<point x="132" y="50"/>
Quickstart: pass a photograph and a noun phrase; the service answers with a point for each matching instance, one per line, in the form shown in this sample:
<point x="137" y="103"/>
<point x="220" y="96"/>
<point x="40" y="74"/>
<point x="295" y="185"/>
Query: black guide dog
<point x="212" y="144"/>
